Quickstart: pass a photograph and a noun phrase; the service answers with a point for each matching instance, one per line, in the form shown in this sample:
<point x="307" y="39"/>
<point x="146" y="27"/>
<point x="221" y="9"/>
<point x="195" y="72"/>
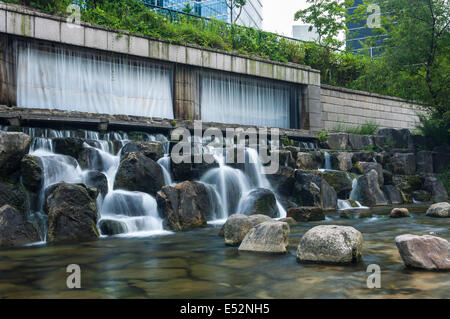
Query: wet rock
<point x="360" y="142"/>
<point x="436" y="188"/>
<point x="97" y="180"/>
<point x="365" y="167"/>
<point x="268" y="237"/>
<point x="399" y="213"/>
<point x="111" y="227"/>
<point x="285" y="157"/>
<point x="407" y="185"/>
<point x="330" y="244"/>
<point x="306" y="214"/>
<point x="441" y="159"/>
<point x="153" y="150"/>
<point x="421" y="196"/>
<point x="368" y="191"/>
<point x="13" y="147"/>
<point x="31" y="168"/>
<point x="387" y="176"/>
<point x="439" y="210"/>
<point x="392" y="194"/>
<point x="90" y="158"/>
<point x="424" y="252"/>
<point x="138" y="172"/>
<point x="282" y="181"/>
<point x="306" y="161"/>
<point x="340" y="181"/>
<point x="289" y="220"/>
<point x="311" y="189"/>
<point x="363" y="157"/>
<point x="72" y="214"/>
<point x="337" y="141"/>
<point x="70" y="146"/>
<point x="356" y="213"/>
<point x="15" y="230"/>
<point x="342" y="161"/>
<point x="14" y="195"/>
<point x="424" y="162"/>
<point x="191" y="171"/>
<point x="259" y="201"/>
<point x="397" y="138"/>
<point x="237" y="226"/>
<point x="184" y="206"/>
<point x="404" y="163"/>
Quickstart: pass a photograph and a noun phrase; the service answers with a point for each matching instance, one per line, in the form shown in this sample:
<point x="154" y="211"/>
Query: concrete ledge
<point x="27" y="22"/>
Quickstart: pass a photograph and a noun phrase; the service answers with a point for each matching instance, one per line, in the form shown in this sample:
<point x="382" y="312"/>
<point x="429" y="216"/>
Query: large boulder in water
<point x="368" y="191"/>
<point x="15" y="230"/>
<point x="436" y="188"/>
<point x="138" y="172"/>
<point x="439" y="210"/>
<point x="399" y="212"/>
<point x="14" y="195"/>
<point x="259" y="201"/>
<point x="184" y="206"/>
<point x="70" y="146"/>
<point x="238" y="225"/>
<point x="153" y="150"/>
<point x="311" y="189"/>
<point x="13" y="147"/>
<point x="31" y="168"/>
<point x="330" y="244"/>
<point x="72" y="214"/>
<point x="97" y="180"/>
<point x="424" y="252"/>
<point x="267" y="237"/>
<point x="306" y="214"/>
<point x="340" y="181"/>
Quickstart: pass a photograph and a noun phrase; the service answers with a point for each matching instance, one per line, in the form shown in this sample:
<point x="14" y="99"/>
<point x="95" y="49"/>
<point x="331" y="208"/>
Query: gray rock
<point x="342" y="161"/>
<point x="153" y="150"/>
<point x="407" y="184"/>
<point x="282" y="181"/>
<point x="393" y="194"/>
<point x="15" y="230"/>
<point x="259" y="201"/>
<point x="31" y="168"/>
<point x="360" y="142"/>
<point x="365" y="167"/>
<point x="13" y="147"/>
<point x="15" y="196"/>
<point x="399" y="212"/>
<point x="439" y="210"/>
<point x="138" y="172"/>
<point x="337" y="141"/>
<point x="289" y="220"/>
<point x="424" y="252"/>
<point x="70" y="146"/>
<point x="237" y="226"/>
<point x="306" y="214"/>
<point x="72" y="214"/>
<point x="436" y="188"/>
<point x="404" y="163"/>
<point x="424" y="162"/>
<point x="441" y="160"/>
<point x="311" y="189"/>
<point x="97" y="180"/>
<point x="184" y="206"/>
<point x="340" y="181"/>
<point x="285" y="157"/>
<point x="421" y="196"/>
<point x="397" y="138"/>
<point x="368" y="191"/>
<point x="268" y="237"/>
<point x="330" y="244"/>
<point x="363" y="157"/>
<point x="306" y="161"/>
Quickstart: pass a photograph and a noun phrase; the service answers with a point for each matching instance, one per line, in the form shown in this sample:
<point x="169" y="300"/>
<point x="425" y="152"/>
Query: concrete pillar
<point x="186" y="93"/>
<point x="8" y="87"/>
<point x="312" y="111"/>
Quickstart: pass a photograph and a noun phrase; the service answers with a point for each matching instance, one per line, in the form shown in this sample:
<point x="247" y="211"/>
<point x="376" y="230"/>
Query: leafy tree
<point x="235" y="5"/>
<point x="327" y="17"/>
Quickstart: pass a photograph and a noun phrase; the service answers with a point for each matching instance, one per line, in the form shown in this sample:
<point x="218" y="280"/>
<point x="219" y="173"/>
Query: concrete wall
<point x="351" y="108"/>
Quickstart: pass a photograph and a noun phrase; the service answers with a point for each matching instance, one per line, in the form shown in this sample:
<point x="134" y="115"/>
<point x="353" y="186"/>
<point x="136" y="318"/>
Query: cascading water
<point x="137" y="211"/>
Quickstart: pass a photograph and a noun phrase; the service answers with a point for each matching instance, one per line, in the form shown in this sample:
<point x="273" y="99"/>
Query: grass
<point x="368" y="128"/>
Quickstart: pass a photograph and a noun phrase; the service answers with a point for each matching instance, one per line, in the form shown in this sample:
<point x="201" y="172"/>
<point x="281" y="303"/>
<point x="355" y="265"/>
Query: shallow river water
<point x="197" y="264"/>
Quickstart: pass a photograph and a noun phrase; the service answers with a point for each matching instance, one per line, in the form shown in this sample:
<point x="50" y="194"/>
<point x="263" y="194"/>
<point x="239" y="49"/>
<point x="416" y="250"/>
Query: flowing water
<point x="197" y="264"/>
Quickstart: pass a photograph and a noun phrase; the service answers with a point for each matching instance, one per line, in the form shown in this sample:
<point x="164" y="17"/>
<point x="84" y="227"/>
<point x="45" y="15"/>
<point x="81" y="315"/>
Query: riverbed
<point x="197" y="264"/>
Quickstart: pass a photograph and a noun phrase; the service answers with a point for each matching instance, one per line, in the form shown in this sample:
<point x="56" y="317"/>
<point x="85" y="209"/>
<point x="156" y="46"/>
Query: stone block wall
<point x="351" y="108"/>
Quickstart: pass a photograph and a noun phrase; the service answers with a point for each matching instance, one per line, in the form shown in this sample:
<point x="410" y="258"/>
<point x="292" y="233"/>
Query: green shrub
<point x="368" y="128"/>
<point x="436" y="127"/>
<point x="322" y="136"/>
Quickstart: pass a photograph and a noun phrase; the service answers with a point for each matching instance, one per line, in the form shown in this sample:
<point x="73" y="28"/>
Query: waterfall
<point x="136" y="210"/>
<point x="354" y="194"/>
<point x="73" y="80"/>
<point x="327" y="161"/>
<point x="164" y="162"/>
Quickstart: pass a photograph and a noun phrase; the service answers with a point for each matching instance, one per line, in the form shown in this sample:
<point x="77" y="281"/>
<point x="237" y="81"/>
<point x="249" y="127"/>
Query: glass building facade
<point x="251" y="15"/>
